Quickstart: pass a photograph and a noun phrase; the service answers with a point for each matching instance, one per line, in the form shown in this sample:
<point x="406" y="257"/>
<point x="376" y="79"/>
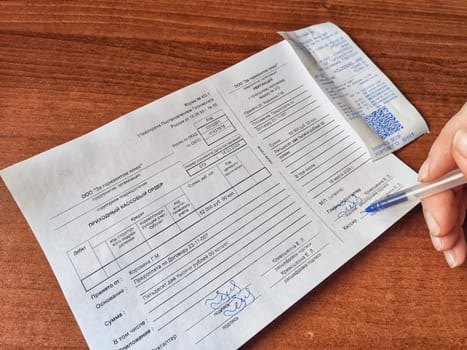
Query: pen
<point x="419" y="191"/>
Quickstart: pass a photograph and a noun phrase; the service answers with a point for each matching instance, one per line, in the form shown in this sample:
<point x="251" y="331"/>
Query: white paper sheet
<point x="196" y="220"/>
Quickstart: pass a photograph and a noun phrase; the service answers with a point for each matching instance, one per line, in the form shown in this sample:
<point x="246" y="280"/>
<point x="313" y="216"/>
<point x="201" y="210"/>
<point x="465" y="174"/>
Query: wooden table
<point x="67" y="67"/>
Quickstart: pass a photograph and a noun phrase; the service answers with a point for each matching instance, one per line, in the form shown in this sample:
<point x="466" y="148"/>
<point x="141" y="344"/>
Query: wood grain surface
<point x="67" y="67"/>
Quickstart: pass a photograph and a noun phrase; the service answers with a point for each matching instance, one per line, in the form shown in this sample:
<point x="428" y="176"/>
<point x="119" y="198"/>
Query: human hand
<point x="445" y="212"/>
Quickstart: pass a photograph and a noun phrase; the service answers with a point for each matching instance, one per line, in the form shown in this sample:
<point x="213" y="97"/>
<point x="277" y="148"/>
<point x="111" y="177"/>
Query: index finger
<point x="440" y="159"/>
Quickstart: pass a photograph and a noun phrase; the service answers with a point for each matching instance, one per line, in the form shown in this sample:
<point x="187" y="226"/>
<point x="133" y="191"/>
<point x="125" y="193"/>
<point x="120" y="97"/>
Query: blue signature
<point x="230" y="301"/>
<point x="348" y="205"/>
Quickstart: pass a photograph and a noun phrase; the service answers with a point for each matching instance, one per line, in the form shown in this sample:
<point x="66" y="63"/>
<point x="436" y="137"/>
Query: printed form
<point x="196" y="220"/>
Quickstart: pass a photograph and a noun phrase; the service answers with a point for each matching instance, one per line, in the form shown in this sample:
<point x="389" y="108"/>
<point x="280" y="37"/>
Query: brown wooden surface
<point x="67" y="67"/>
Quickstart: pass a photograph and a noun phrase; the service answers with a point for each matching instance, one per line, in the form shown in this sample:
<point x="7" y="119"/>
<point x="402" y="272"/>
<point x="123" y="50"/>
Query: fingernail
<point x="437" y="243"/>
<point x="432" y="224"/>
<point x="460" y="141"/>
<point x="423" y="172"/>
<point x="450" y="258"/>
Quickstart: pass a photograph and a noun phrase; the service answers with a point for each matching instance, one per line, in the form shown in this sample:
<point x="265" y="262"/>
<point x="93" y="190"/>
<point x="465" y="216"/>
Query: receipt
<point x="196" y="220"/>
<point x="371" y="103"/>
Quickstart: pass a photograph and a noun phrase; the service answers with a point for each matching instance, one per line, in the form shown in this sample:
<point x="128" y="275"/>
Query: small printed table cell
<point x="245" y="185"/>
<point x="233" y="170"/>
<point x="168" y="233"/>
<point x="230" y="147"/>
<point x="111" y="269"/>
<point x="206" y="186"/>
<point x="84" y="260"/>
<point x="216" y="203"/>
<point x="249" y="160"/>
<point x="125" y="241"/>
<point x="188" y="220"/>
<point x="136" y="253"/>
<point x="94" y="279"/>
<point x="103" y="253"/>
<point x="196" y="168"/>
<point x="216" y="129"/>
<point x="180" y="207"/>
<point x="261" y="175"/>
<point x="155" y="223"/>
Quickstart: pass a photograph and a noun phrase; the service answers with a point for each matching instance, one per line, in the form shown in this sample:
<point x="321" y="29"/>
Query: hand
<point x="445" y="212"/>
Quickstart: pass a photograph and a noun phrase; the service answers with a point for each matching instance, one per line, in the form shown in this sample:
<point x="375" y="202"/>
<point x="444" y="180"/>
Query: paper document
<point x="196" y="220"/>
<point x="371" y="103"/>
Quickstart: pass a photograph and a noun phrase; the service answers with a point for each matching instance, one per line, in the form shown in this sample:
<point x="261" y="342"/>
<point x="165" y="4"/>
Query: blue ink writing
<point x="230" y="301"/>
<point x="348" y="205"/>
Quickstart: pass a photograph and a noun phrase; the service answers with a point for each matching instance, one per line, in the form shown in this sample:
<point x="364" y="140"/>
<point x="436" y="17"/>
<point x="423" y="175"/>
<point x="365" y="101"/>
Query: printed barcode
<point x="383" y="122"/>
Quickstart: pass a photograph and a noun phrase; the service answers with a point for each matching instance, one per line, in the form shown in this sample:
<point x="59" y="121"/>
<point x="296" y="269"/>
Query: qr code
<point x="383" y="122"/>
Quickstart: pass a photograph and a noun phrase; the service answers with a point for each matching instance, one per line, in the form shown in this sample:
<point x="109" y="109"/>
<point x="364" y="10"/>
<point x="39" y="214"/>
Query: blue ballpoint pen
<point x="419" y="191"/>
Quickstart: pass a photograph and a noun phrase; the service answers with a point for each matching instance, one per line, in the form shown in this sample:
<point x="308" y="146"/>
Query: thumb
<point x="459" y="149"/>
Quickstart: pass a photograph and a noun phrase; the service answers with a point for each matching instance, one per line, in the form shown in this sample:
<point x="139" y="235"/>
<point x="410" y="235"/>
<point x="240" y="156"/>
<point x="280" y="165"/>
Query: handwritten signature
<point x="230" y="301"/>
<point x="348" y="205"/>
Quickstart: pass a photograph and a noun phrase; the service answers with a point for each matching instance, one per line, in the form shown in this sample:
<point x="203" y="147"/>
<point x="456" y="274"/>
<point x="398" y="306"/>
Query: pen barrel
<point x="388" y="201"/>
<point x="423" y="190"/>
